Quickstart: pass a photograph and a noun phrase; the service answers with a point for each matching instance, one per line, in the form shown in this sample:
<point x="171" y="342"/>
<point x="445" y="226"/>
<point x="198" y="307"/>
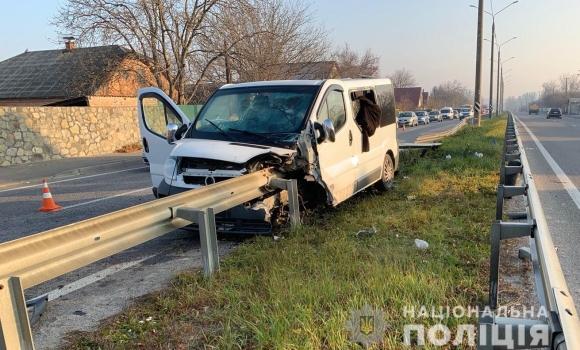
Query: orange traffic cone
<point x="47" y="201"/>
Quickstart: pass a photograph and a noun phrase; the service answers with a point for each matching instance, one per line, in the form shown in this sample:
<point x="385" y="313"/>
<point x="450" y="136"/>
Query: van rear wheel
<point x="387" y="175"/>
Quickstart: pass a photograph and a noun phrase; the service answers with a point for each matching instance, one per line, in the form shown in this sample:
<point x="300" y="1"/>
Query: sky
<point x="434" y="39"/>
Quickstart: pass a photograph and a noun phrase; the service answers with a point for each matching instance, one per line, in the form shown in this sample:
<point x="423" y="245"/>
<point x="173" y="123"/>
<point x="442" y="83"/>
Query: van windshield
<point x="261" y="114"/>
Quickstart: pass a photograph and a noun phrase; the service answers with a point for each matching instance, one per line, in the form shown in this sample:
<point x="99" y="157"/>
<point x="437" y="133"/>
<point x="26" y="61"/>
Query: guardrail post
<point x="291" y="186"/>
<point x="494" y="263"/>
<point x="502" y="230"/>
<point x="15" y="333"/>
<point x="208" y="238"/>
<point x="512" y="333"/>
<point x="205" y="218"/>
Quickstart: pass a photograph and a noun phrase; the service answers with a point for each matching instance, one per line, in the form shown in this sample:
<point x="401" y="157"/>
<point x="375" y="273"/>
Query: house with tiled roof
<point x="409" y="98"/>
<point x="91" y="76"/>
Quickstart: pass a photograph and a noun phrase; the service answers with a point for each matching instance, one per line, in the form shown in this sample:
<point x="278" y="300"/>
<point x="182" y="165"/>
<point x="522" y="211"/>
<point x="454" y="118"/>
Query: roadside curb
<point x="120" y="165"/>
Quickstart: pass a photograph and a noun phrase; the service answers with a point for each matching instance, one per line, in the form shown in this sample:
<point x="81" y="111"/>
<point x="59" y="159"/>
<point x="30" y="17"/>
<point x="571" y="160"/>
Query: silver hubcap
<point x="388" y="171"/>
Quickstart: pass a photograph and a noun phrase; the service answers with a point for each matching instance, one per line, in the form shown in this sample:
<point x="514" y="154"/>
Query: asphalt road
<point x="79" y="300"/>
<point x="411" y="133"/>
<point x="551" y="147"/>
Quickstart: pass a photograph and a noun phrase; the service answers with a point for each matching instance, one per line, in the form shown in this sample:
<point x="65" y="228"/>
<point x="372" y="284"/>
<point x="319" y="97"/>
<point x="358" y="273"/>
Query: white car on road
<point x="408" y="118"/>
<point x="423" y="117"/>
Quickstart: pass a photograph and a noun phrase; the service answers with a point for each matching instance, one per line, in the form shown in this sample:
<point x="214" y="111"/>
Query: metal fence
<point x="559" y="325"/>
<point x="439" y="136"/>
<point x="31" y="260"/>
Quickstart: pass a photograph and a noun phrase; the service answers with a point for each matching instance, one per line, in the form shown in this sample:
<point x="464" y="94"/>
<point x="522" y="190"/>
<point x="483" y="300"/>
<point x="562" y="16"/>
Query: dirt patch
<point x="132" y="147"/>
<point x="517" y="289"/>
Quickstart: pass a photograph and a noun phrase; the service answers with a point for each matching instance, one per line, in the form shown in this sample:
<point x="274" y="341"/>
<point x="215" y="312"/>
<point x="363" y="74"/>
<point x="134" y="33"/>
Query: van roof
<point x="347" y="82"/>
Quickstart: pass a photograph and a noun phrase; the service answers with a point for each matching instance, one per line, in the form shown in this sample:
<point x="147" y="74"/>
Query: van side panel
<point x="369" y="169"/>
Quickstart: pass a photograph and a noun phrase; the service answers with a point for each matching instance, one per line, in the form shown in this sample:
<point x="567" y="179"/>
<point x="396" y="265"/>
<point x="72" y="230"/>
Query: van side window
<point x="333" y="109"/>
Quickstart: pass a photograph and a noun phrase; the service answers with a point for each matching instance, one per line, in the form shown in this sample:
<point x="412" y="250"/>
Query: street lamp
<point x="492" y="43"/>
<point x="499" y="65"/>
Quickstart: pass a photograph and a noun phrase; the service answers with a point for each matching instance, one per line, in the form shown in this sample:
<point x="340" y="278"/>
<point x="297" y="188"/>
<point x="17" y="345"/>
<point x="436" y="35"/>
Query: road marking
<point x="85" y="281"/>
<point x="566" y="182"/>
<point x="74" y="179"/>
<point x="104" y="198"/>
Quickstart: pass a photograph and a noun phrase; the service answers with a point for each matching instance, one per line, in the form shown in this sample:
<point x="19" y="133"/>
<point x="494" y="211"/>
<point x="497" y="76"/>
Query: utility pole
<point x="567" y="104"/>
<point x="477" y="102"/>
<point x="497" y="91"/>
<point x="491" y="69"/>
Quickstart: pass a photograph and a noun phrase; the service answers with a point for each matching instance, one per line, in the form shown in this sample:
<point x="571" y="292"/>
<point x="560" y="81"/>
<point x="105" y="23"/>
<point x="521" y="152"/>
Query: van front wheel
<point x="387" y="175"/>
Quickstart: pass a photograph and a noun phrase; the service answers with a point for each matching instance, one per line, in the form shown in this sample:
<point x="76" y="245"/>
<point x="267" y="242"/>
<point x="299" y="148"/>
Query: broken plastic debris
<point x="367" y="232"/>
<point x="448" y="156"/>
<point x="493" y="141"/>
<point x="406" y="177"/>
<point x="411" y="197"/>
<point x="479" y="155"/>
<point x="276" y="238"/>
<point x="421" y="244"/>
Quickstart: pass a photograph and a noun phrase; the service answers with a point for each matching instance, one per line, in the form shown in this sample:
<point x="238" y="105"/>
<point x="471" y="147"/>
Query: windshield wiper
<point x="262" y="136"/>
<point x="230" y="137"/>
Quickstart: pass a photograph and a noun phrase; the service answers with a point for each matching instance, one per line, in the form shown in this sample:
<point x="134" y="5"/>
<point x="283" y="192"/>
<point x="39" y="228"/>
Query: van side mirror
<point x="171" y="131"/>
<point x="329" y="130"/>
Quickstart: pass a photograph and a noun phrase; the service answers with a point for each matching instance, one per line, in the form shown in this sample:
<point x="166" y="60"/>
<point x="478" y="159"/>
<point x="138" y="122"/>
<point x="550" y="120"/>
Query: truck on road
<point x="534" y="109"/>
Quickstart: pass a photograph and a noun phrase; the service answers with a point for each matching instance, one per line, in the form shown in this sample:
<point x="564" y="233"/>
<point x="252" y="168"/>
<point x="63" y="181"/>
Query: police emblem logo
<point x="366" y="326"/>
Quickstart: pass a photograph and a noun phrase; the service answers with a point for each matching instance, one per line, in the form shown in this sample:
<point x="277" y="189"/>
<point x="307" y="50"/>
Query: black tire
<point x="387" y="175"/>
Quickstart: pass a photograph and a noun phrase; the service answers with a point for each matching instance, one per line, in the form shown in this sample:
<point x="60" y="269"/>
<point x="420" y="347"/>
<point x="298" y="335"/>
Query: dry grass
<point x="130" y="148"/>
<point x="298" y="292"/>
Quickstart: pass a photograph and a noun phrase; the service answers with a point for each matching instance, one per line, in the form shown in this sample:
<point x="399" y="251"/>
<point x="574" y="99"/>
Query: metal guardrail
<point x="31" y="260"/>
<point x="439" y="136"/>
<point x="559" y="325"/>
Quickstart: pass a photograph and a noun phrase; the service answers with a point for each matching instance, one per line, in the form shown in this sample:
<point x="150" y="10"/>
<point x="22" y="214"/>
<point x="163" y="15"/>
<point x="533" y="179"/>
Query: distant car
<point x="447" y="113"/>
<point x="435" y="116"/>
<point x="555" y="113"/>
<point x="408" y="118"/>
<point x="464" y="113"/>
<point x="423" y="117"/>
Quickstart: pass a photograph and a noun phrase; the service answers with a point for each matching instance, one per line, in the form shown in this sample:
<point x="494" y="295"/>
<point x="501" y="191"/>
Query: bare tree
<point x="569" y="83"/>
<point x="352" y="65"/>
<point x="402" y="78"/>
<point x="451" y="93"/>
<point x="258" y="40"/>
<point x="550" y="87"/>
<point x="162" y="32"/>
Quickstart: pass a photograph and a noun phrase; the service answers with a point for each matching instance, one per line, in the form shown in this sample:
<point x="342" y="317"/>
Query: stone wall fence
<point x="30" y="134"/>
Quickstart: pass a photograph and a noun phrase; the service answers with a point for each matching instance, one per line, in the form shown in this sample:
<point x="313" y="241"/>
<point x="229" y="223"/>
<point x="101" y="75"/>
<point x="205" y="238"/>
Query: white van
<point x="447" y="113"/>
<point x="305" y="129"/>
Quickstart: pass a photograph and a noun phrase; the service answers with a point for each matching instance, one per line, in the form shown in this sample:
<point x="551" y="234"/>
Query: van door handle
<point x="350" y="137"/>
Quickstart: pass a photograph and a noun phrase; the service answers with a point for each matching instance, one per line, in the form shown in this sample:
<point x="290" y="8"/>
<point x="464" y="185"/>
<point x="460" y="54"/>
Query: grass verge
<point x="298" y="292"/>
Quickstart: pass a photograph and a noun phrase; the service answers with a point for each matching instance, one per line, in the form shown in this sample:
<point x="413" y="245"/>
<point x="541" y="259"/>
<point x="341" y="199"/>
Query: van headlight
<point x="169" y="169"/>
